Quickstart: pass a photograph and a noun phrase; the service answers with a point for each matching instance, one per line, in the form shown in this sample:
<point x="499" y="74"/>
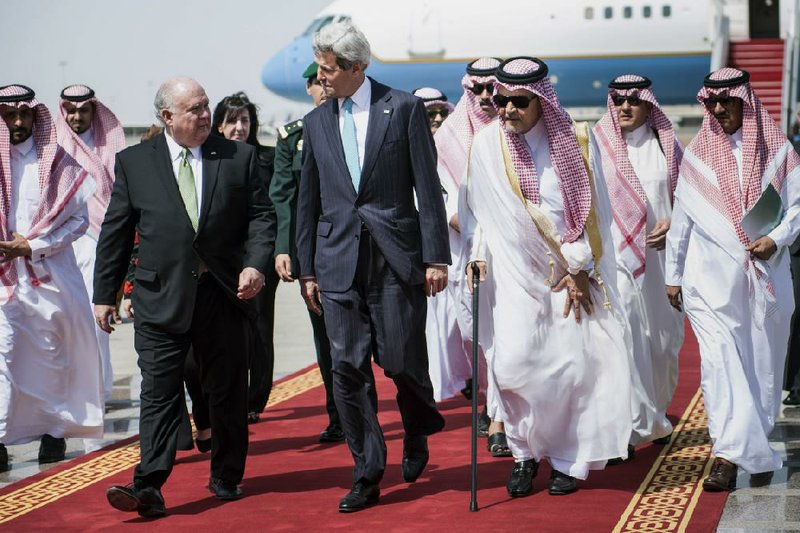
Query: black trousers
<point x="323" y="347"/>
<point x="218" y="335"/>
<point x="792" y="377"/>
<point x="380" y="316"/>
<point x="261" y="355"/>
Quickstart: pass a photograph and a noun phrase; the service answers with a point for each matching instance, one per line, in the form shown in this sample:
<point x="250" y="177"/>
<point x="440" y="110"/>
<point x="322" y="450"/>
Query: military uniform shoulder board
<point x="288" y="129"/>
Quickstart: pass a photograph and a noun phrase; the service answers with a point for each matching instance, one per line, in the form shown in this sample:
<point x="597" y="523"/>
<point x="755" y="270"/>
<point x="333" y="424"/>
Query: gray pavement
<point x="770" y="507"/>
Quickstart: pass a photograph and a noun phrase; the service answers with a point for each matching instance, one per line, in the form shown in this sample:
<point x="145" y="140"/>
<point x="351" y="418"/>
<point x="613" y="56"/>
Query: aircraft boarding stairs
<point x="763" y="59"/>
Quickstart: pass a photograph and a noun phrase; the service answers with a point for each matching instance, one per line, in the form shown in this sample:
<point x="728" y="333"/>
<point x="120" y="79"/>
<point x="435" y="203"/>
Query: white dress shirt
<point x="650" y="166"/>
<point x="196" y="162"/>
<point x="361" y="100"/>
<point x="577" y="254"/>
<point x="88" y="138"/>
<point x="25" y="191"/>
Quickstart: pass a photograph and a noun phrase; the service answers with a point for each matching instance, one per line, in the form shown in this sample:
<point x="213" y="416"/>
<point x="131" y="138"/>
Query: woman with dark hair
<point x="236" y="118"/>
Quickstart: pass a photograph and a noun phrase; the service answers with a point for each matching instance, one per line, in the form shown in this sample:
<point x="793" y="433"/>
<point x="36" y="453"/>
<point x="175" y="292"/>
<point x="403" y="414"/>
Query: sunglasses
<point x="520" y="102"/>
<point x="433" y="113"/>
<point x="478" y="88"/>
<point x="632" y="99"/>
<point x="712" y="101"/>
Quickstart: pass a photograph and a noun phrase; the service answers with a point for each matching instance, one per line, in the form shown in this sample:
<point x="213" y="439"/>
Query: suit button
<point x="194" y="274"/>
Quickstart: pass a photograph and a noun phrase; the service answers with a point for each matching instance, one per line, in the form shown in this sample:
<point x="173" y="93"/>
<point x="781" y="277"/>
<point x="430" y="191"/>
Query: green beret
<point x="310" y="71"/>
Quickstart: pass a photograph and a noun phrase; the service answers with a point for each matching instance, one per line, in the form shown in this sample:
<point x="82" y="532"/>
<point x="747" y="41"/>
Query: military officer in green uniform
<point x="283" y="192"/>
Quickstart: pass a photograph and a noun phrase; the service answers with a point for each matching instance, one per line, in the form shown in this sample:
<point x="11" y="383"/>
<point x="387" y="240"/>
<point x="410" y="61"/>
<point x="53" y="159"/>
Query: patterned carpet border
<point x="51" y="488"/>
<point x="666" y="499"/>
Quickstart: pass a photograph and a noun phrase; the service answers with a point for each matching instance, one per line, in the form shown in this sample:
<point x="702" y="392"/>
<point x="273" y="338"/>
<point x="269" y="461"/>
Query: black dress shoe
<point x="361" y="496"/>
<point x="619" y="460"/>
<point x="224" y="490"/>
<point x="561" y="484"/>
<point x="147" y="501"/>
<point x="3" y="458"/>
<point x="203" y="445"/>
<point x="332" y="434"/>
<point x="51" y="449"/>
<point x="483" y="423"/>
<point x="415" y="456"/>
<point x="521" y="481"/>
<point x="792" y="399"/>
<point x="663" y="440"/>
<point x="497" y="444"/>
<point x="467" y="390"/>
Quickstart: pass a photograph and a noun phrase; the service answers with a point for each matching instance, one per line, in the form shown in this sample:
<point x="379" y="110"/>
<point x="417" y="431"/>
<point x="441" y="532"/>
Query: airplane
<point x="585" y="43"/>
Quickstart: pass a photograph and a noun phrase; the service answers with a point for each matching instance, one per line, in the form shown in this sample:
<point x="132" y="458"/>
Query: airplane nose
<point x="282" y="74"/>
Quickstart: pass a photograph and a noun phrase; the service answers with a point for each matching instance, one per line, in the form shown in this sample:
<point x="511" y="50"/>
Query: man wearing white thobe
<point x="50" y="377"/>
<point x="641" y="157"/>
<point x="92" y="135"/>
<point x="538" y="223"/>
<point x="727" y="266"/>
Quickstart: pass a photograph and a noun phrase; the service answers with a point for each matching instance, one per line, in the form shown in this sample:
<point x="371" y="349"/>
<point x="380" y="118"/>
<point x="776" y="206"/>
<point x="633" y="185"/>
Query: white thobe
<point x="656" y="328"/>
<point x="85" y="248"/>
<point x="449" y="355"/>
<point x="564" y="387"/>
<point x="50" y="376"/>
<point x="742" y="331"/>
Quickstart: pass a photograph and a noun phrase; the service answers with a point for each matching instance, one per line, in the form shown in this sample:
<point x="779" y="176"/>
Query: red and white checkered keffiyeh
<point x="60" y="177"/>
<point x="108" y="139"/>
<point x="433" y="97"/>
<point x="565" y="153"/>
<point x="454" y="137"/>
<point x="628" y="198"/>
<point x="762" y="140"/>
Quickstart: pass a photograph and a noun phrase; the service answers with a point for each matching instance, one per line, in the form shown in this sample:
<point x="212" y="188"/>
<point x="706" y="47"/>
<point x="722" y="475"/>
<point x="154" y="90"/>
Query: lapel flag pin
<point x="387" y="111"/>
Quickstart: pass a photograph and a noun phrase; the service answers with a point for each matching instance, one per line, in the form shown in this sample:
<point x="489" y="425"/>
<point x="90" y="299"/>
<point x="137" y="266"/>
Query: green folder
<point x="764" y="215"/>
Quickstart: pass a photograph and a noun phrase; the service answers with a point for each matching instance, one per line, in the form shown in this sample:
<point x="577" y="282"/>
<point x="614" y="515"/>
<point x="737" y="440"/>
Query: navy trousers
<point x="378" y="316"/>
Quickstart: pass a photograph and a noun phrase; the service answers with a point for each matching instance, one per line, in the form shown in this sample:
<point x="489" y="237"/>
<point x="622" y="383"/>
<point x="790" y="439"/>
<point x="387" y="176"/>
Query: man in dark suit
<point x="792" y="377"/>
<point x="206" y="233"/>
<point x="368" y="254"/>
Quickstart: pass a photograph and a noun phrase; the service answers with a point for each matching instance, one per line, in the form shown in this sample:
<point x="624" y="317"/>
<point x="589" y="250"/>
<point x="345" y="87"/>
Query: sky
<point x="124" y="49"/>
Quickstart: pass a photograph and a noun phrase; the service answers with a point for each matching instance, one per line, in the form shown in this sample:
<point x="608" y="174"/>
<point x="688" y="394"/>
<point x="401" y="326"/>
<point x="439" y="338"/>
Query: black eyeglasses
<point x="433" y="113"/>
<point x="520" y="102"/>
<point x="478" y="88"/>
<point x="712" y="101"/>
<point x="632" y="99"/>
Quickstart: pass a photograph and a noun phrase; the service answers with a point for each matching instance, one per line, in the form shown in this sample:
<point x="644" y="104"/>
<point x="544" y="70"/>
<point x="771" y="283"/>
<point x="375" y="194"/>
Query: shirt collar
<point x="176" y="149"/>
<point x="535" y="135"/>
<point x="361" y="98"/>
<point x="24" y="147"/>
<point x="735" y="139"/>
<point x="88" y="137"/>
<point x="639" y="136"/>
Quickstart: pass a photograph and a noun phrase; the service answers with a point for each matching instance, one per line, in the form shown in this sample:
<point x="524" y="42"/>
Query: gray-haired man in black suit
<point x="368" y="254"/>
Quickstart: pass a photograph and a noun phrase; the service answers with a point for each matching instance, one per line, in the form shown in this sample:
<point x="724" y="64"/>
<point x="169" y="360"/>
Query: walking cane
<point x="473" y="502"/>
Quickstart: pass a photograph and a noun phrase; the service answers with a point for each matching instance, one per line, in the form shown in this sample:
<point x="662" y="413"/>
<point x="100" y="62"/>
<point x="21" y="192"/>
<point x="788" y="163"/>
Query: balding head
<point x="181" y="105"/>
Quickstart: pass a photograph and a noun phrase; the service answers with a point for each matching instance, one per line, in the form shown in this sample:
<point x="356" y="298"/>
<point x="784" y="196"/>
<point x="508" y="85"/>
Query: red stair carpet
<point x="293" y="483"/>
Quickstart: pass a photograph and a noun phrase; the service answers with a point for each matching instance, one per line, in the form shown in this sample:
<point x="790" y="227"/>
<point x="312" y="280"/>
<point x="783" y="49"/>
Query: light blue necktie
<point x="350" y="143"/>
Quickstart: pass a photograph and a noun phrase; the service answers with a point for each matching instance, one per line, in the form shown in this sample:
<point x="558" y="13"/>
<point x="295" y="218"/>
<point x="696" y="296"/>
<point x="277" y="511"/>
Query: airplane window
<point x="608" y="12"/>
<point x="666" y="11"/>
<point x="317" y="24"/>
<point x="627" y="12"/>
<point x="588" y="13"/>
<point x="647" y="11"/>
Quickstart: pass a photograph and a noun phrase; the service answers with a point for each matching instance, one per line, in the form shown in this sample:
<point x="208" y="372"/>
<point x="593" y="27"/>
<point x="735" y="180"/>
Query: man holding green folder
<point x="737" y="208"/>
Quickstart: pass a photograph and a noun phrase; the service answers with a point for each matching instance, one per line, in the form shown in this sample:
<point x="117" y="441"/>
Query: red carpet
<point x="294" y="483"/>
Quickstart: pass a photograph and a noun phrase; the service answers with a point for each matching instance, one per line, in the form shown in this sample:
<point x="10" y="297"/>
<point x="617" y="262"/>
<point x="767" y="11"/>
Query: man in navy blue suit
<point x="368" y="254"/>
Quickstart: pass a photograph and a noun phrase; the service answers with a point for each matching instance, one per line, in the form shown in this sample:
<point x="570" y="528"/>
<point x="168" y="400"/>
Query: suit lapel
<point x="380" y="114"/>
<point x="210" y="173"/>
<point x="166" y="174"/>
<point x="330" y="122"/>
